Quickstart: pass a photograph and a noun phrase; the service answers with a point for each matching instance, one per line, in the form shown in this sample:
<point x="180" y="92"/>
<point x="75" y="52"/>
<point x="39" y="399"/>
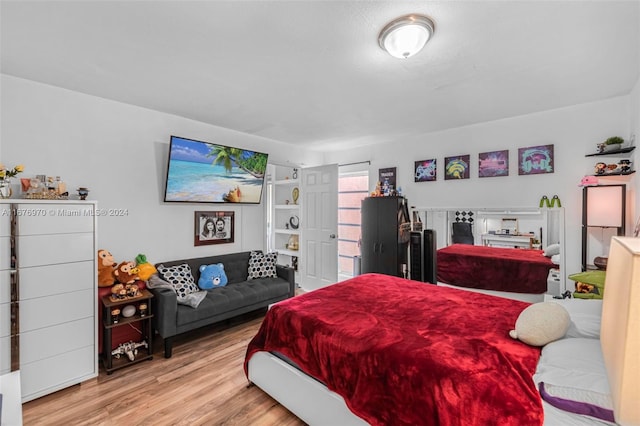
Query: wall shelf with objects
<point x="623" y="166"/>
<point x="616" y="152"/>
<point x="285" y="211"/>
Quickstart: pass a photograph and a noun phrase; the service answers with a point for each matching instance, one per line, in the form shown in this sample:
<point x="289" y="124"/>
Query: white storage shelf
<point x="284" y="208"/>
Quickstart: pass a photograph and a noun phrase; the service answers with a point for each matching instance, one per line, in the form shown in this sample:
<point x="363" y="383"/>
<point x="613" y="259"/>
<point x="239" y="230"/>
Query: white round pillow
<point x="541" y="323"/>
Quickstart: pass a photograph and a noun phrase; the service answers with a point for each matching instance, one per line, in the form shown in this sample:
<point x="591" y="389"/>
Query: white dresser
<point x="48" y="293"/>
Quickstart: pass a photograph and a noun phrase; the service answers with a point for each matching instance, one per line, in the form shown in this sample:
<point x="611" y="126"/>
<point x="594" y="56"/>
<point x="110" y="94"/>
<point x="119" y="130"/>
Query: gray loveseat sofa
<point x="239" y="296"/>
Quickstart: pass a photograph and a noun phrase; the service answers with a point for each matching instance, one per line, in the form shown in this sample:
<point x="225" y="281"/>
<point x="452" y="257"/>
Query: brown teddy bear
<point x="106" y="266"/>
<point x="126" y="273"/>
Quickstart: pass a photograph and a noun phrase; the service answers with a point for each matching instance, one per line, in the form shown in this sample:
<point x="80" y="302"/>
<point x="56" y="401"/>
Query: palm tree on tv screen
<point x="254" y="163"/>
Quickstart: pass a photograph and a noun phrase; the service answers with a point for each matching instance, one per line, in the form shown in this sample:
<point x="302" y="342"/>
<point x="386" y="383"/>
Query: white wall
<point x="634" y="107"/>
<point x="119" y="152"/>
<point x="574" y="132"/>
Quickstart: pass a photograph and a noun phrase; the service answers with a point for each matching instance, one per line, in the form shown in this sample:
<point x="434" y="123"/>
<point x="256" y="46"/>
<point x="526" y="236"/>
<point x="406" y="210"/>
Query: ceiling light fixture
<point x="406" y="36"/>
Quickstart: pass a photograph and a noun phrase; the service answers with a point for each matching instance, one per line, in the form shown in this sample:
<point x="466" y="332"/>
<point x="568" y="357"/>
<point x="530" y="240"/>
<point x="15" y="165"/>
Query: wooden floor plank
<point x="203" y="383"/>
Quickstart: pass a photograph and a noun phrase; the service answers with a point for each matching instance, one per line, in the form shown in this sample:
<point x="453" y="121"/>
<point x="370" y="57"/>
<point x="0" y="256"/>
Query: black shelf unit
<point x="617" y="151"/>
<point x="110" y="362"/>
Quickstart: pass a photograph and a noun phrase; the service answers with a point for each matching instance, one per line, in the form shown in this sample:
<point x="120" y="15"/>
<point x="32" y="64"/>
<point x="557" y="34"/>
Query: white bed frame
<point x="304" y="396"/>
<point x="316" y="405"/>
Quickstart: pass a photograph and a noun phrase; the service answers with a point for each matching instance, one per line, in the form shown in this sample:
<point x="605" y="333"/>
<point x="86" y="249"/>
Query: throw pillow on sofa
<point x="262" y="265"/>
<point x="180" y="277"/>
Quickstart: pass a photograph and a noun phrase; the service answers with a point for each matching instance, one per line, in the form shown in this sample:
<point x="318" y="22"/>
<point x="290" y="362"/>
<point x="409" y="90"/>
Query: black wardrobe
<point x="381" y="251"/>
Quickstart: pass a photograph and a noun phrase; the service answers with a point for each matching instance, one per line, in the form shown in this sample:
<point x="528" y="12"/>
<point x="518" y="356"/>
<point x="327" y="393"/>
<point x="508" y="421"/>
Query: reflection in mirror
<point x="526" y="232"/>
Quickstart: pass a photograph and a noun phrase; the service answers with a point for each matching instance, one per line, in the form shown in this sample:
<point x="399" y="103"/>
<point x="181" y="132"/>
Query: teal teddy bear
<point x="212" y="276"/>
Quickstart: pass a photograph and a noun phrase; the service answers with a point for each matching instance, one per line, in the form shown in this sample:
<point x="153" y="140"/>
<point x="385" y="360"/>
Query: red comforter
<point x="402" y="352"/>
<point x="494" y="268"/>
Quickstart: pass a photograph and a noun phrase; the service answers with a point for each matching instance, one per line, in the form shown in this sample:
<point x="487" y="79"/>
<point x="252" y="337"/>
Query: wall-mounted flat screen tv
<point x="203" y="172"/>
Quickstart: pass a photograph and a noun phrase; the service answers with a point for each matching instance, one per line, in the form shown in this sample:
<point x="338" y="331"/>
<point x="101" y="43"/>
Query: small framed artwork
<point x="493" y="163"/>
<point x="456" y="167"/>
<point x="535" y="160"/>
<point x="387" y="176"/>
<point x="425" y="170"/>
<point x="213" y="228"/>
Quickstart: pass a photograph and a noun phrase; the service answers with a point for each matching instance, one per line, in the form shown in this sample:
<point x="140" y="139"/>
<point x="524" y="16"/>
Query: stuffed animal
<point x="106" y="266"/>
<point x="126" y="273"/>
<point x="212" y="276"/>
<point x="541" y="323"/>
<point x="145" y="269"/>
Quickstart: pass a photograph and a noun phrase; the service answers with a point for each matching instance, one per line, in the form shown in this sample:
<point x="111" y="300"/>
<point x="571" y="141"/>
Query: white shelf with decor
<point x="285" y="214"/>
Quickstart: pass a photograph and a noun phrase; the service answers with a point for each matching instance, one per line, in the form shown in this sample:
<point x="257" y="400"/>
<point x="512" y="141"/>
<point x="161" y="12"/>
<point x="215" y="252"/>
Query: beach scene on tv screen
<point x="205" y="172"/>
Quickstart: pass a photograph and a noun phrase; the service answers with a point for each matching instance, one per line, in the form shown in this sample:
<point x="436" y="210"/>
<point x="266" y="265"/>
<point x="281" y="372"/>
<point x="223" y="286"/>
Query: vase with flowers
<point x="5" y="179"/>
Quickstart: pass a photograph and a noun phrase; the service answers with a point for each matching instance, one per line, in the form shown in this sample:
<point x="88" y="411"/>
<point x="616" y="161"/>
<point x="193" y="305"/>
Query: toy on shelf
<point x="130" y="349"/>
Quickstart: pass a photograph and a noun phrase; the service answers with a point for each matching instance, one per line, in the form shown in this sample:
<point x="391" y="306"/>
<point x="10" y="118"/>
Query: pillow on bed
<point x="541" y="323"/>
<point x="585" y="314"/>
<point x="571" y="376"/>
<point x="552" y="249"/>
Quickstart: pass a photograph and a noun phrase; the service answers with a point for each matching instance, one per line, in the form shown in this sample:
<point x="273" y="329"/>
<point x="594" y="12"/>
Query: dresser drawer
<point x="41" y="281"/>
<point x="5" y="319"/>
<point x="51" y="374"/>
<point x="5" y="220"/>
<point x="5" y="253"/>
<point x="45" y="312"/>
<point x="35" y="219"/>
<point x="5" y="286"/>
<point x="36" y="250"/>
<point x="5" y="354"/>
<point x="52" y="341"/>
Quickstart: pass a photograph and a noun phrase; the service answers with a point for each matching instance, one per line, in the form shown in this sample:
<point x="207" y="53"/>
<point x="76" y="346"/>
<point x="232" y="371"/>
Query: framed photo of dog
<point x="215" y="227"/>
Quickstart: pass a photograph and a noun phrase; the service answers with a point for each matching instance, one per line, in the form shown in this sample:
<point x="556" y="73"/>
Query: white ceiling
<point x="311" y="72"/>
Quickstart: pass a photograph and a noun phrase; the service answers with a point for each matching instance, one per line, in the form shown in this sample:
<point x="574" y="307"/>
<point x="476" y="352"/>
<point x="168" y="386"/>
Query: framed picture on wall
<point x="535" y="160"/>
<point x="425" y="170"/>
<point x="493" y="163"/>
<point x="387" y="177"/>
<point x="213" y="227"/>
<point x="456" y="167"/>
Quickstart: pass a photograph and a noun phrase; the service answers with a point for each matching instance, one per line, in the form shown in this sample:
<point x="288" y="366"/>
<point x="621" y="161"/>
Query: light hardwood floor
<point x="203" y="383"/>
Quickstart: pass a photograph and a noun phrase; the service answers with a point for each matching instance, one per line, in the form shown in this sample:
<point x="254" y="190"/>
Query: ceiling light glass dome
<point x="406" y="36"/>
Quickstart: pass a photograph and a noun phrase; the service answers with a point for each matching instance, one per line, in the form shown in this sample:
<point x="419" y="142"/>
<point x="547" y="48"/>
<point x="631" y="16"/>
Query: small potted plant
<point x="614" y="143"/>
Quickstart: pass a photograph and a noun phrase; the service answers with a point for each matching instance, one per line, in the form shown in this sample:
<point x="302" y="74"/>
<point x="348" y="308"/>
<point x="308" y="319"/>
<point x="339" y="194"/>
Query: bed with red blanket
<point x="494" y="268"/>
<point x="403" y="352"/>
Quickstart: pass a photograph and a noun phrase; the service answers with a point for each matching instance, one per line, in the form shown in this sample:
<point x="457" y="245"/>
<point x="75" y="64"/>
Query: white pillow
<point x="571" y="376"/>
<point x="552" y="249"/>
<point x="585" y="314"/>
<point x="541" y="323"/>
